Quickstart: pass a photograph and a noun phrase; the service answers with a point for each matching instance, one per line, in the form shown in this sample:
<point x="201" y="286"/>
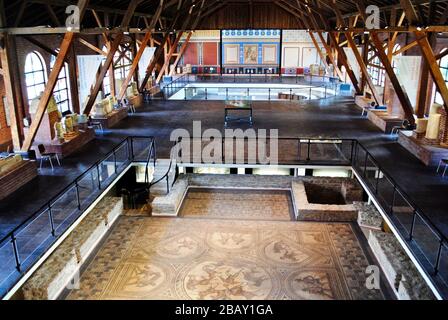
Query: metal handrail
<point x="69" y="186"/>
<point x="308" y="141"/>
<point x="165" y="176"/>
<point x="406" y="197"/>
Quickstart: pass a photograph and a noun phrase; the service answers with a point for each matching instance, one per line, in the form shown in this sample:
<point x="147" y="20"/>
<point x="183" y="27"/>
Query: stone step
<point x="398" y="268"/>
<point x="168" y="204"/>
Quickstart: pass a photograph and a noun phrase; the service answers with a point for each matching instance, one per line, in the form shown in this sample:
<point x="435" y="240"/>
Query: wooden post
<point x="434" y="69"/>
<point x="323" y="58"/>
<point x="73" y="78"/>
<point x="344" y="61"/>
<point x="169" y="56"/>
<point x="181" y="52"/>
<point x="52" y="80"/>
<point x="152" y="64"/>
<point x="401" y="94"/>
<point x="8" y="80"/>
<point x="110" y="56"/>
<point x="363" y="67"/>
<point x="48" y="92"/>
<point x="137" y="58"/>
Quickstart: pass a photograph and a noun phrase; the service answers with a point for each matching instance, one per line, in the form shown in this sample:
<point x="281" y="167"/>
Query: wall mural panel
<point x="251" y="54"/>
<point x="251" y="51"/>
<point x="231" y="54"/>
<point x="270" y="54"/>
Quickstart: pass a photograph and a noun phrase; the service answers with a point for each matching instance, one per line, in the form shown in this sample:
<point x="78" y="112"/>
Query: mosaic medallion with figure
<point x="218" y="280"/>
<point x="285" y="251"/>
<point x="313" y="285"/>
<point x="230" y="240"/>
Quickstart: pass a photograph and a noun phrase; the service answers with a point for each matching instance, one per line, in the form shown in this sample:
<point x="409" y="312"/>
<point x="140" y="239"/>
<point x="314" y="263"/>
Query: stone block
<point x="168" y="205"/>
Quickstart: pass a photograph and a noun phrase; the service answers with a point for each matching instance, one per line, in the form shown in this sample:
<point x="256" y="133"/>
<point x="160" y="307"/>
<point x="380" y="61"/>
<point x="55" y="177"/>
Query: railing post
<point x="99" y="176"/>
<point x="391" y="209"/>
<point x="269" y="90"/>
<point x="227" y="93"/>
<point x="365" y="164"/>
<point x="206" y="94"/>
<point x="439" y="253"/>
<point x="222" y="150"/>
<point x="352" y="152"/>
<point x="16" y="251"/>
<point x="411" y="232"/>
<point x="77" y="195"/>
<point x="290" y="94"/>
<point x="309" y="150"/>
<point x="131" y="146"/>
<point x="115" y="162"/>
<point x="185" y="93"/>
<point x="50" y="216"/>
<point x="377" y="180"/>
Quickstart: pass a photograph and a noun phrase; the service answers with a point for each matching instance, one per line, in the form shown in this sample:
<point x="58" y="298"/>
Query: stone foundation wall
<point x="56" y="272"/>
<point x="398" y="268"/>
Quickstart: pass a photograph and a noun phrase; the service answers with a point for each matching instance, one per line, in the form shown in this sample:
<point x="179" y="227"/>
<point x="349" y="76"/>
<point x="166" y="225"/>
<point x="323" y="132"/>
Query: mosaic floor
<point x="238" y="204"/>
<point x="158" y="258"/>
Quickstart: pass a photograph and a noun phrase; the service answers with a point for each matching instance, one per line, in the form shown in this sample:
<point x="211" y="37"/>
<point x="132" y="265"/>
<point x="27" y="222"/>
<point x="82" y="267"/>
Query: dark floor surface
<point x="336" y="118"/>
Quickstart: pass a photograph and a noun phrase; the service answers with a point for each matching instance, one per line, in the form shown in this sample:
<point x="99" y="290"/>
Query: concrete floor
<point x="336" y="117"/>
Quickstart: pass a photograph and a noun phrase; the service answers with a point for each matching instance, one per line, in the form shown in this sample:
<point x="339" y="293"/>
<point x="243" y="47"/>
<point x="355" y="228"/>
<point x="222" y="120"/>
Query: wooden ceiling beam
<point x="358" y="58"/>
<point x="401" y="94"/>
<point x="134" y="66"/>
<point x="51" y="83"/>
<point x="110" y="56"/>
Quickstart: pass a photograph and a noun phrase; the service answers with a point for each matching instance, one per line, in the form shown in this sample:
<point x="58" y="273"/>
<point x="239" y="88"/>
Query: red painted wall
<point x="210" y="53"/>
<point x="191" y="54"/>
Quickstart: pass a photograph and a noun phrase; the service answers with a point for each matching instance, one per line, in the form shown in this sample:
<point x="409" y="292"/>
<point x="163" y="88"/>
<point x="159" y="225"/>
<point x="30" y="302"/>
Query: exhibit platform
<point x="137" y="101"/>
<point x="66" y="148"/>
<point x="430" y="155"/>
<point x="15" y="176"/>
<point x="383" y="120"/>
<point x="112" y="118"/>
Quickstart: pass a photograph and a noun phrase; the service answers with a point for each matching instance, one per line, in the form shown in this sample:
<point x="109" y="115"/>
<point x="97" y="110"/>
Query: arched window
<point x="123" y="62"/>
<point x="106" y="80"/>
<point x="61" y="91"/>
<point x="376" y="69"/>
<point x="35" y="75"/>
<point x="443" y="64"/>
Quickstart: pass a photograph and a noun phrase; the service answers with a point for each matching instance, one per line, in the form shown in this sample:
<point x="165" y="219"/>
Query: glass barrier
<point x="421" y="235"/>
<point x="23" y="247"/>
